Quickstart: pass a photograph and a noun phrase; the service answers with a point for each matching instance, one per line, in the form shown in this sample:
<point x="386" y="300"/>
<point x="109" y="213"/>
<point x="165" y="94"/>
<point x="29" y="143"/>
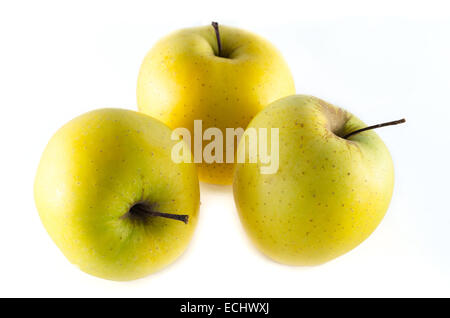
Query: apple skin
<point x="182" y="79"/>
<point x="92" y="171"/>
<point x="328" y="195"/>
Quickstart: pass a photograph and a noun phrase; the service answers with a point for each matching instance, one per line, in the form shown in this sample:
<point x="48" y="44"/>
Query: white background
<point x="382" y="60"/>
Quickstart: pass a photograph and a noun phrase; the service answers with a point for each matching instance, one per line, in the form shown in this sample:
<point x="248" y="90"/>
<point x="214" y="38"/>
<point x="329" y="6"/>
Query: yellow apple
<point x="330" y="191"/>
<point x="184" y="78"/>
<point x="110" y="196"/>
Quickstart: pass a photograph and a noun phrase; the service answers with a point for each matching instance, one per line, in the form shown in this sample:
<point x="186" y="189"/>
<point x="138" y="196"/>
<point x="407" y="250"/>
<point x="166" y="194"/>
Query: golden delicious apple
<point x="110" y="196"/>
<point x="332" y="188"/>
<point x="222" y="76"/>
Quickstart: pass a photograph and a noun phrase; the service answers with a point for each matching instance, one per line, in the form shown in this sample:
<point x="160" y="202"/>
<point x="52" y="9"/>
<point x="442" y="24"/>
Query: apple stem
<point x="219" y="44"/>
<point x="390" y="123"/>
<point x="179" y="217"/>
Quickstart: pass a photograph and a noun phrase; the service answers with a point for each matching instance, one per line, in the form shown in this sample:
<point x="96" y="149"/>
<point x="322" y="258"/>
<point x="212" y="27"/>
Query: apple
<point x="221" y="76"/>
<point x="332" y="188"/>
<point x="112" y="199"/>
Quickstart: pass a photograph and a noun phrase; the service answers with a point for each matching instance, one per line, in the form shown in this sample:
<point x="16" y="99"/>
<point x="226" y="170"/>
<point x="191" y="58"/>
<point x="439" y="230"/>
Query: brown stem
<point x="390" y="123"/>
<point x="219" y="44"/>
<point x="144" y="209"/>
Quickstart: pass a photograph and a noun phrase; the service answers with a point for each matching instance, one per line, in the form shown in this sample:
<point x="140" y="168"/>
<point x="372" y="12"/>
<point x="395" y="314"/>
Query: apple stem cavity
<point x="389" y="123"/>
<point x="219" y="43"/>
<point x="142" y="211"/>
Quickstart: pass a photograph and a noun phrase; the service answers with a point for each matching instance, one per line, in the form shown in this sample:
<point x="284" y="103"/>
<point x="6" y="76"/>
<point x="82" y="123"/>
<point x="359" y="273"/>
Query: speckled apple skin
<point x="182" y="79"/>
<point x="92" y="171"/>
<point x="329" y="193"/>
